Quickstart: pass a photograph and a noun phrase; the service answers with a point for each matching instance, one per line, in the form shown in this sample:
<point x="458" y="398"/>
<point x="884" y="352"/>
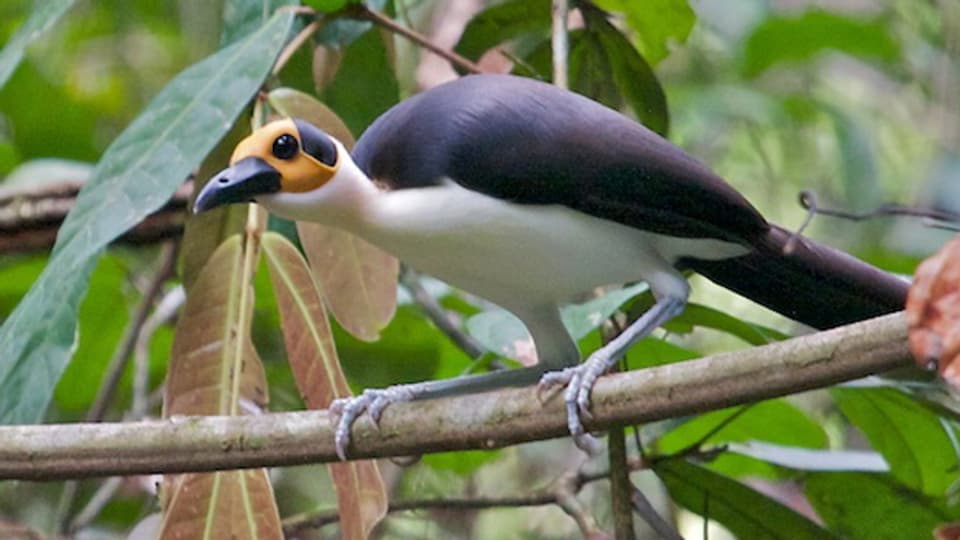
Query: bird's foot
<point x="373" y="401"/>
<point x="579" y="381"/>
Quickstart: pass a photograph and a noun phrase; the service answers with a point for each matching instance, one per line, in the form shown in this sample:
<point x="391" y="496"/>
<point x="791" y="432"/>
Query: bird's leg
<point x="579" y="380"/>
<point x="374" y="400"/>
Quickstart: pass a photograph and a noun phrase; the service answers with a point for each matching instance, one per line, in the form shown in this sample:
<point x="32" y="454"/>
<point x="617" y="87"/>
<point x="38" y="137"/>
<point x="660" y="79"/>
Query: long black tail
<point x="815" y="284"/>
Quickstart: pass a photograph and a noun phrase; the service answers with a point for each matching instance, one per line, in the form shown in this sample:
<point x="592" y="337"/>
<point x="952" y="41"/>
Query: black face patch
<point x="285" y="147"/>
<point x="316" y="142"/>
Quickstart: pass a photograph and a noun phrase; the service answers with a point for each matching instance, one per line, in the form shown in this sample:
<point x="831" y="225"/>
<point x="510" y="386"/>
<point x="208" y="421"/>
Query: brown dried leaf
<point x="933" y="313"/>
<point x="215" y="370"/>
<point x="228" y="505"/>
<point x="359" y="280"/>
<point x="950" y="531"/>
<point x="361" y="495"/>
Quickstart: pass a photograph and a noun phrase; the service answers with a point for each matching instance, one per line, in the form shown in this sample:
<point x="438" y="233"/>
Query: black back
<point x="532" y="143"/>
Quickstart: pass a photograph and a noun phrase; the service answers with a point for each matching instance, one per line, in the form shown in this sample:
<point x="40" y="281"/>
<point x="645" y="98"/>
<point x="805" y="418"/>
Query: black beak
<point x="241" y="182"/>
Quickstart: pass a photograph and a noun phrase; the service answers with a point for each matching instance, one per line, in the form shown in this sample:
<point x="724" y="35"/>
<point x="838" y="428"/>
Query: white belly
<point x="510" y="253"/>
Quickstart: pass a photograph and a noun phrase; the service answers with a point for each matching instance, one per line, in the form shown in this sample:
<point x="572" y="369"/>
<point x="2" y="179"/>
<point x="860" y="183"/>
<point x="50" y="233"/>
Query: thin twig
<point x="166" y="262"/>
<point x="568" y="483"/>
<point x="95" y="505"/>
<point x="291" y="48"/>
<point x="439" y="316"/>
<point x="560" y="41"/>
<point x="621" y="487"/>
<point x="361" y="11"/>
<point x="643" y="508"/>
<point x="166" y="310"/>
<point x="488" y="420"/>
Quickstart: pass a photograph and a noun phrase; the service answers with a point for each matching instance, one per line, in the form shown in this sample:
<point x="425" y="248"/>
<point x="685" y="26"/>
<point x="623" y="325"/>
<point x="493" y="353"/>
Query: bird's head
<point x="285" y="162"/>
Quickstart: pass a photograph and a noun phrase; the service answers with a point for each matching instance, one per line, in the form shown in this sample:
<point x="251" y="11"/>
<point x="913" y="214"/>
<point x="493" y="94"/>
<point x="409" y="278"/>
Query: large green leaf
<point x="44" y="15"/>
<point x="874" y="506"/>
<point x="802" y="37"/>
<point x="657" y="23"/>
<point x="774" y="421"/>
<point x="747" y="513"/>
<point x="503" y="22"/>
<point x="136" y="176"/>
<point x="911" y="438"/>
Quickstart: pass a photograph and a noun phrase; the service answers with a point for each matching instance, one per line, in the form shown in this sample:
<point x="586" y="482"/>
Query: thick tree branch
<point x="489" y="420"/>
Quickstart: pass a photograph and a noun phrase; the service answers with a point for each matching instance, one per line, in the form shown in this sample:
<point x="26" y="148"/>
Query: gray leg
<point x="580" y="379"/>
<point x="555" y="348"/>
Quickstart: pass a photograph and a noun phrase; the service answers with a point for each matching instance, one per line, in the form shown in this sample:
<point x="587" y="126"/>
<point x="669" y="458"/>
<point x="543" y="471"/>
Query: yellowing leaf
<point x="361" y="496"/>
<point x="214" y="369"/>
<point x="359" y="280"/>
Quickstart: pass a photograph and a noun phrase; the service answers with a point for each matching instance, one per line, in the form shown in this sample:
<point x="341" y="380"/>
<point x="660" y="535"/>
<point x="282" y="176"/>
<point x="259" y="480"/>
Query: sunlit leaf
<point x="361" y="495"/>
<point x="807" y="459"/>
<point x="358" y="280"/>
<point x="137" y="175"/>
<point x="874" y="506"/>
<point x="802" y="37"/>
<point x="911" y="438"/>
<point x="657" y="23"/>
<point x="44" y="15"/>
<point x="745" y="512"/>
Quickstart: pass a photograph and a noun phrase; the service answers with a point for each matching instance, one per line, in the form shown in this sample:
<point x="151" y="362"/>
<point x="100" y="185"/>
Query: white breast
<point x="517" y="255"/>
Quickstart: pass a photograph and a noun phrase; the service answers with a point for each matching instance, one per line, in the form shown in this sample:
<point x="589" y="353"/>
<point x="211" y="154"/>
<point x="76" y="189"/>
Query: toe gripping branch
<point x="578" y="380"/>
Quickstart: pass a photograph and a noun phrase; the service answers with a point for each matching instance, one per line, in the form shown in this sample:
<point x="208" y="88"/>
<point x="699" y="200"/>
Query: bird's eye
<point x="286" y="146"/>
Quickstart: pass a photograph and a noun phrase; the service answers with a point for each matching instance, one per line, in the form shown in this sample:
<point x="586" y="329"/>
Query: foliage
<point x="859" y="106"/>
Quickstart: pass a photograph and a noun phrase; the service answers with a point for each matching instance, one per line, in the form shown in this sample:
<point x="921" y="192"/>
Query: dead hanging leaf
<point x="933" y="313"/>
<point x="215" y="370"/>
<point x="359" y="280"/>
<point x="361" y="495"/>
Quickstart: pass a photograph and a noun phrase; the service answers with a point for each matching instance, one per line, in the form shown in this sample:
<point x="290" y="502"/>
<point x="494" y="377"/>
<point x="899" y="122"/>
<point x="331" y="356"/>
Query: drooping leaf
<point x="137" y="175"/>
<point x="358" y="279"/>
<point x="224" y="505"/>
<point x="503" y="22"/>
<point x="798" y="38"/>
<point x="707" y="317"/>
<point x="632" y="75"/>
<point x="911" y="438"/>
<point x="774" y="421"/>
<point x="874" y="506"/>
<point x="361" y="495"/>
<point x="745" y="512"/>
<point x="657" y="23"/>
<point x="44" y="15"/>
<point x="215" y="370"/>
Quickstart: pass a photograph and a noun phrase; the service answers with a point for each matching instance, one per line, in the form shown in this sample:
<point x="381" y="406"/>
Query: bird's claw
<point x="371" y="401"/>
<point x="579" y="381"/>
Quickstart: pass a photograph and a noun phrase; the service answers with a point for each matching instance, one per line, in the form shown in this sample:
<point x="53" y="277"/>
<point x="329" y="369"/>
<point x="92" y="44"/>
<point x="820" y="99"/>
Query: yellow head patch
<point x="286" y="149"/>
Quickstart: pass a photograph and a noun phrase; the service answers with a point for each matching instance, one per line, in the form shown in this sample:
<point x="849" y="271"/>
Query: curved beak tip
<point x="240" y="182"/>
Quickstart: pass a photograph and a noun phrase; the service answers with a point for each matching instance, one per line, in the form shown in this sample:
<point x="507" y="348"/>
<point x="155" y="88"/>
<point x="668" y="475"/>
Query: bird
<point x="529" y="195"/>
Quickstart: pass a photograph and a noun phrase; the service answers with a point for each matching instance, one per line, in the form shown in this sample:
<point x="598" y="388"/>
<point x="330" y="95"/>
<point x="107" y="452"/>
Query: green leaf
<point x="774" y="421"/>
<point x="366" y="70"/>
<point x="747" y="513"/>
<point x="136" y="176"/>
<point x="631" y="73"/>
<point x="800" y="38"/>
<point x="503" y="22"/>
<point x="874" y="506"/>
<point x="657" y="23"/>
<point x="501" y="331"/>
<point x="911" y="438"/>
<point x="243" y="17"/>
<point x="708" y="317"/>
<point x="43" y="17"/>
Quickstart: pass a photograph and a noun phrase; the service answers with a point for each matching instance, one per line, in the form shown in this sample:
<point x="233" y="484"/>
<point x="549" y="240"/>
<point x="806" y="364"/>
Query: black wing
<point x="532" y="143"/>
